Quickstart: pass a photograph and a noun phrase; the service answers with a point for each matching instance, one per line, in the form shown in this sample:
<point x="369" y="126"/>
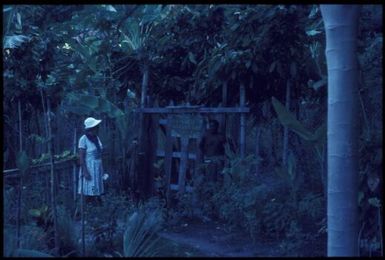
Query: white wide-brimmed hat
<point x="91" y="122"/>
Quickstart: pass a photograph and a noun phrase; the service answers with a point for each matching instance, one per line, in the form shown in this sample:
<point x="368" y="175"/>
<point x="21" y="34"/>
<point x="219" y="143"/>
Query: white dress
<point x="93" y="187"/>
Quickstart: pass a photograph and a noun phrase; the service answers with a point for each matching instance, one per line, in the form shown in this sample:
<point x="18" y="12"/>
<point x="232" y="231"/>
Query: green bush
<point x="140" y="237"/>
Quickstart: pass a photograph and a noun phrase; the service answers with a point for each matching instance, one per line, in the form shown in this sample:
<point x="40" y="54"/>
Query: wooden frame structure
<point x="184" y="154"/>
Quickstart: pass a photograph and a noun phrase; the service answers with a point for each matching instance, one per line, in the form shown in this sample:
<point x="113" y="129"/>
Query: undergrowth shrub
<point x="284" y="209"/>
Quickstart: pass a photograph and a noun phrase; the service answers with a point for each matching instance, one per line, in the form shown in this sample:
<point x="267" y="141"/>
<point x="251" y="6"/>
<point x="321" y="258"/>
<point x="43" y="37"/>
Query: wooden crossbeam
<point x="15" y="171"/>
<point x="161" y="153"/>
<point x="176" y="187"/>
<point x="182" y="110"/>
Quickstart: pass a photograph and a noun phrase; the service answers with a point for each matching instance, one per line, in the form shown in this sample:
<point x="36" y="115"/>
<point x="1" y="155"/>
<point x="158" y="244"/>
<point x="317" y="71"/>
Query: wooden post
<point x="168" y="158"/>
<point x="183" y="164"/>
<point x="242" y="97"/>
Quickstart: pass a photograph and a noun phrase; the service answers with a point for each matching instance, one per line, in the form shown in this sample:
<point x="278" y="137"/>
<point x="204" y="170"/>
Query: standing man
<point x="212" y="147"/>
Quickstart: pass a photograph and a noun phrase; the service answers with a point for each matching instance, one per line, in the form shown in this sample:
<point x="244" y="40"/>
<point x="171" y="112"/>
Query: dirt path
<point x="212" y="239"/>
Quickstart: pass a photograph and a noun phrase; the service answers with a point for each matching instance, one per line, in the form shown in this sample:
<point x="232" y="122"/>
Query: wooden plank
<point x="183" y="164"/>
<point x="181" y="110"/>
<point x="186" y="125"/>
<point x="161" y="153"/>
<point x="176" y="187"/>
<point x="173" y="133"/>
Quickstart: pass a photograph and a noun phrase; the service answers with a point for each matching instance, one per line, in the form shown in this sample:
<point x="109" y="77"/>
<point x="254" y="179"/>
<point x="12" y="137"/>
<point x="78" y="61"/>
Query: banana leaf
<point x="82" y="104"/>
<point x="22" y="161"/>
<point x="29" y="253"/>
<point x="14" y="41"/>
<point x="288" y="119"/>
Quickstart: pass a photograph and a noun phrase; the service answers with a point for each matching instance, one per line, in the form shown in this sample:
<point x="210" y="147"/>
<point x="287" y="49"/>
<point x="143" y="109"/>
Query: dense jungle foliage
<point x="63" y="63"/>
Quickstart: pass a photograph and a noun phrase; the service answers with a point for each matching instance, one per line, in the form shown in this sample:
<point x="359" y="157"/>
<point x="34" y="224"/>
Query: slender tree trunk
<point x="82" y="214"/>
<point x="242" y="102"/>
<point x="74" y="179"/>
<point x="341" y="26"/>
<point x="46" y="177"/>
<point x="18" y="235"/>
<point x="44" y="113"/>
<point x="183" y="164"/>
<point x="257" y="137"/>
<point x="286" y="130"/>
<point x="144" y="85"/>
<point x="53" y="180"/>
<point x="224" y="104"/>
<point x="38" y="131"/>
<point x="143" y="140"/>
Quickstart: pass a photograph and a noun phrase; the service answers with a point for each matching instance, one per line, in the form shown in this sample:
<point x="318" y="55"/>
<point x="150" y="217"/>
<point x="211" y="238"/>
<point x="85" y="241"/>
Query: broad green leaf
<point x="313" y="32"/>
<point x="35" y="212"/>
<point x="89" y="101"/>
<point x="14" y="41"/>
<point x="18" y="16"/>
<point x="313" y="11"/>
<point x="320" y="132"/>
<point x="78" y="109"/>
<point x="234" y="27"/>
<point x="319" y="84"/>
<point x="140" y="237"/>
<point x="361" y="196"/>
<point x="291" y="166"/>
<point x="288" y="119"/>
<point x="29" y="253"/>
<point x="192" y="58"/>
<point x="110" y="8"/>
<point x="104" y="106"/>
<point x="6" y="9"/>
<point x="22" y="161"/>
<point x="115" y="111"/>
<point x="122" y="124"/>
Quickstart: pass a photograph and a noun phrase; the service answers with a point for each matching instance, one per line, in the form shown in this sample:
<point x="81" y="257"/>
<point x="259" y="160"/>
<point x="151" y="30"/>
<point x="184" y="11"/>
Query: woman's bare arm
<point x="83" y="165"/>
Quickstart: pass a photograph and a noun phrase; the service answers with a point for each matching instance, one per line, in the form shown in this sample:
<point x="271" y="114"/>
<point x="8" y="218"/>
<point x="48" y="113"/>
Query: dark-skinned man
<point x="212" y="146"/>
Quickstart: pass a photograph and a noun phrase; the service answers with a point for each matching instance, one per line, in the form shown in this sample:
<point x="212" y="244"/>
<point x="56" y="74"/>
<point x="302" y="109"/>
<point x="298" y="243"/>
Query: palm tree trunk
<point x="341" y="26"/>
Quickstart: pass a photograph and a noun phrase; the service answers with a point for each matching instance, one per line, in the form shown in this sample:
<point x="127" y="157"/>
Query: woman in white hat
<point x="91" y="167"/>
